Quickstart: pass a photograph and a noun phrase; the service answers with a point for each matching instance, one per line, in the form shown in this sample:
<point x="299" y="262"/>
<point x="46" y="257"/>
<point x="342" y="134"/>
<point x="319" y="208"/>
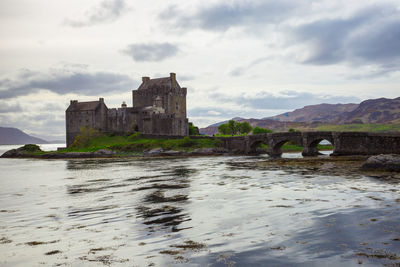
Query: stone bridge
<point x="344" y="143"/>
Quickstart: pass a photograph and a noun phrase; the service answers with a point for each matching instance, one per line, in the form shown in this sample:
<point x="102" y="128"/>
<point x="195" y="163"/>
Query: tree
<point x="244" y="127"/>
<point x="193" y="130"/>
<point x="260" y="130"/>
<point x="224" y="129"/>
<point x="234" y="128"/>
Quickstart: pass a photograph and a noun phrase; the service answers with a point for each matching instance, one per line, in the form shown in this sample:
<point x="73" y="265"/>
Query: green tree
<point x="224" y="129"/>
<point x="233" y="127"/>
<point x="193" y="130"/>
<point x="244" y="127"/>
<point x="260" y="130"/>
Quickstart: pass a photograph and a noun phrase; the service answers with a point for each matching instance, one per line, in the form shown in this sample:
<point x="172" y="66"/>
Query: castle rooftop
<point x="79" y="106"/>
<point x="167" y="82"/>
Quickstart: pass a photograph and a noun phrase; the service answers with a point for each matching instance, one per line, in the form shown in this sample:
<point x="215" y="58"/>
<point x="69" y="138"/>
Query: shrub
<point x="193" y="130"/>
<point x="31" y="148"/>
<point x="84" y="136"/>
<point x="260" y="130"/>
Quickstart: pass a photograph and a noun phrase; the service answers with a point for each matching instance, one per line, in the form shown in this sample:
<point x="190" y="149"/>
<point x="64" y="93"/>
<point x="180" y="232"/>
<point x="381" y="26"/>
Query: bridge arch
<point x="276" y="141"/>
<point x="311" y="141"/>
<point x="254" y="147"/>
<point x="255" y="141"/>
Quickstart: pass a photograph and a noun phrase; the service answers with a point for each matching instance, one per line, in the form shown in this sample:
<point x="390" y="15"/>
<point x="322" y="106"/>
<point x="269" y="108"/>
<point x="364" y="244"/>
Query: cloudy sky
<point x="237" y="58"/>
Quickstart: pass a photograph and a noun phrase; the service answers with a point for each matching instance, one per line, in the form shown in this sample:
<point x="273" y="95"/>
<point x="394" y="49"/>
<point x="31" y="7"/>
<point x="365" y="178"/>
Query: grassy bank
<point x="92" y="141"/>
<point x="366" y="127"/>
<point x="136" y="143"/>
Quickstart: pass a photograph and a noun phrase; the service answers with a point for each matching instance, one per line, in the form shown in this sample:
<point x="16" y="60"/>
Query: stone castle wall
<point x="158" y="107"/>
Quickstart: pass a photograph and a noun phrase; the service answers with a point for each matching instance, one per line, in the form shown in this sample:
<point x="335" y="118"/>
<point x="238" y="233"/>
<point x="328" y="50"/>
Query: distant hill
<point x="265" y="123"/>
<point x="381" y="110"/>
<point x="14" y="136"/>
<point x="378" y="111"/>
<point x="213" y="128"/>
<point x="321" y="112"/>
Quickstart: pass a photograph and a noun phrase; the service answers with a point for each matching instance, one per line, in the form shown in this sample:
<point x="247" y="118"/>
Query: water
<point x="201" y="211"/>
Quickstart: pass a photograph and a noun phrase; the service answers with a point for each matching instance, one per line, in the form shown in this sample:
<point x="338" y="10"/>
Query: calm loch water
<point x="205" y="211"/>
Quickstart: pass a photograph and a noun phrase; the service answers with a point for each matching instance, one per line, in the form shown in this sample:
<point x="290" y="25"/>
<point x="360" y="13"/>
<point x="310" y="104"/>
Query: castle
<point x="158" y="108"/>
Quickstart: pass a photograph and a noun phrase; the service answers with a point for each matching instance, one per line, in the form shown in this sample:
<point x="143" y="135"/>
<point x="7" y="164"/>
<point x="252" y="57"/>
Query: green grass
<point x="135" y="143"/>
<point x="229" y="135"/>
<point x="367" y="127"/>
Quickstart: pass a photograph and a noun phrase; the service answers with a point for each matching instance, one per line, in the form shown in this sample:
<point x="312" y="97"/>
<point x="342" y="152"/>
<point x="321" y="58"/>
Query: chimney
<point x="123" y="105"/>
<point x="73" y="102"/>
<point x="145" y="79"/>
<point x="173" y="79"/>
<point x="101" y="99"/>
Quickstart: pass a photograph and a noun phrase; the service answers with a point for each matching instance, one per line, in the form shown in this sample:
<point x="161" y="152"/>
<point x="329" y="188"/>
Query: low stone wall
<point x="363" y="143"/>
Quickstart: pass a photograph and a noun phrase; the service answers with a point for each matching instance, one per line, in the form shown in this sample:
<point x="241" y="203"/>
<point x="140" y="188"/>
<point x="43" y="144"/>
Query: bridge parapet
<point x="365" y="143"/>
<point x="344" y="143"/>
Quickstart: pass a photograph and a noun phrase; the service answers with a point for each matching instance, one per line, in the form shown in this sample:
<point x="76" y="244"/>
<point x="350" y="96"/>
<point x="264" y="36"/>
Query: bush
<point x="31" y="148"/>
<point x="135" y="136"/>
<point x="187" y="142"/>
<point x="193" y="130"/>
<point x="260" y="130"/>
<point x="84" y="136"/>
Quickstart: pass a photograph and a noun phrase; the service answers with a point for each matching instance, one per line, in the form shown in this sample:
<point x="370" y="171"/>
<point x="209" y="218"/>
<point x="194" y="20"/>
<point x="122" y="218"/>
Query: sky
<point x="250" y="59"/>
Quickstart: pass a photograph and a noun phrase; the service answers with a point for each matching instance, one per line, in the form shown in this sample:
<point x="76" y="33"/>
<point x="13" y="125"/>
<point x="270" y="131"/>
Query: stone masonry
<point x="158" y="108"/>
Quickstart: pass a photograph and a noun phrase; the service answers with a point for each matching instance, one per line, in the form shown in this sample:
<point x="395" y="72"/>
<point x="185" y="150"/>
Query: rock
<point x="172" y="153"/>
<point x="153" y="152"/>
<point x="204" y="151"/>
<point x="388" y="162"/>
<point x="10" y="153"/>
<point x="24" y="151"/>
<point x="104" y="152"/>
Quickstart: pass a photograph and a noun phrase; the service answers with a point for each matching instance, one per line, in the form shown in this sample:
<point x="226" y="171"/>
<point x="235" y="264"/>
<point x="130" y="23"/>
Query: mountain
<point x="381" y="110"/>
<point x="213" y="128"/>
<point x="376" y="111"/>
<point x="264" y="123"/>
<point x="223" y="122"/>
<point x="14" y="136"/>
<point x="321" y="112"/>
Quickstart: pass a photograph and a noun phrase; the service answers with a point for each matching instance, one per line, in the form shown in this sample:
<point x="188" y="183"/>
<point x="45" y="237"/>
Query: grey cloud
<point x="9" y="108"/>
<point x="239" y="71"/>
<point x="289" y="100"/>
<point x="222" y="16"/>
<point x="151" y="51"/>
<point x="223" y="113"/>
<point x="106" y="11"/>
<point x="371" y="36"/>
<point x="63" y="82"/>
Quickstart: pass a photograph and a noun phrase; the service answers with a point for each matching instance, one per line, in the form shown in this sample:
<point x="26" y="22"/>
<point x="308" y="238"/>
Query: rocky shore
<point x="387" y="162"/>
<point x="379" y="163"/>
<point x="33" y="151"/>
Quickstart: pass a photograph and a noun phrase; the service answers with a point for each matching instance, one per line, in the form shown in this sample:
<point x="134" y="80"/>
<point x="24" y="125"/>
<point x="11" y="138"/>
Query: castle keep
<point x="158" y="107"/>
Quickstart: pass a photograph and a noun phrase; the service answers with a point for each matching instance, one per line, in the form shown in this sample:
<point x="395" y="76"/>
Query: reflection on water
<point x="216" y="211"/>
